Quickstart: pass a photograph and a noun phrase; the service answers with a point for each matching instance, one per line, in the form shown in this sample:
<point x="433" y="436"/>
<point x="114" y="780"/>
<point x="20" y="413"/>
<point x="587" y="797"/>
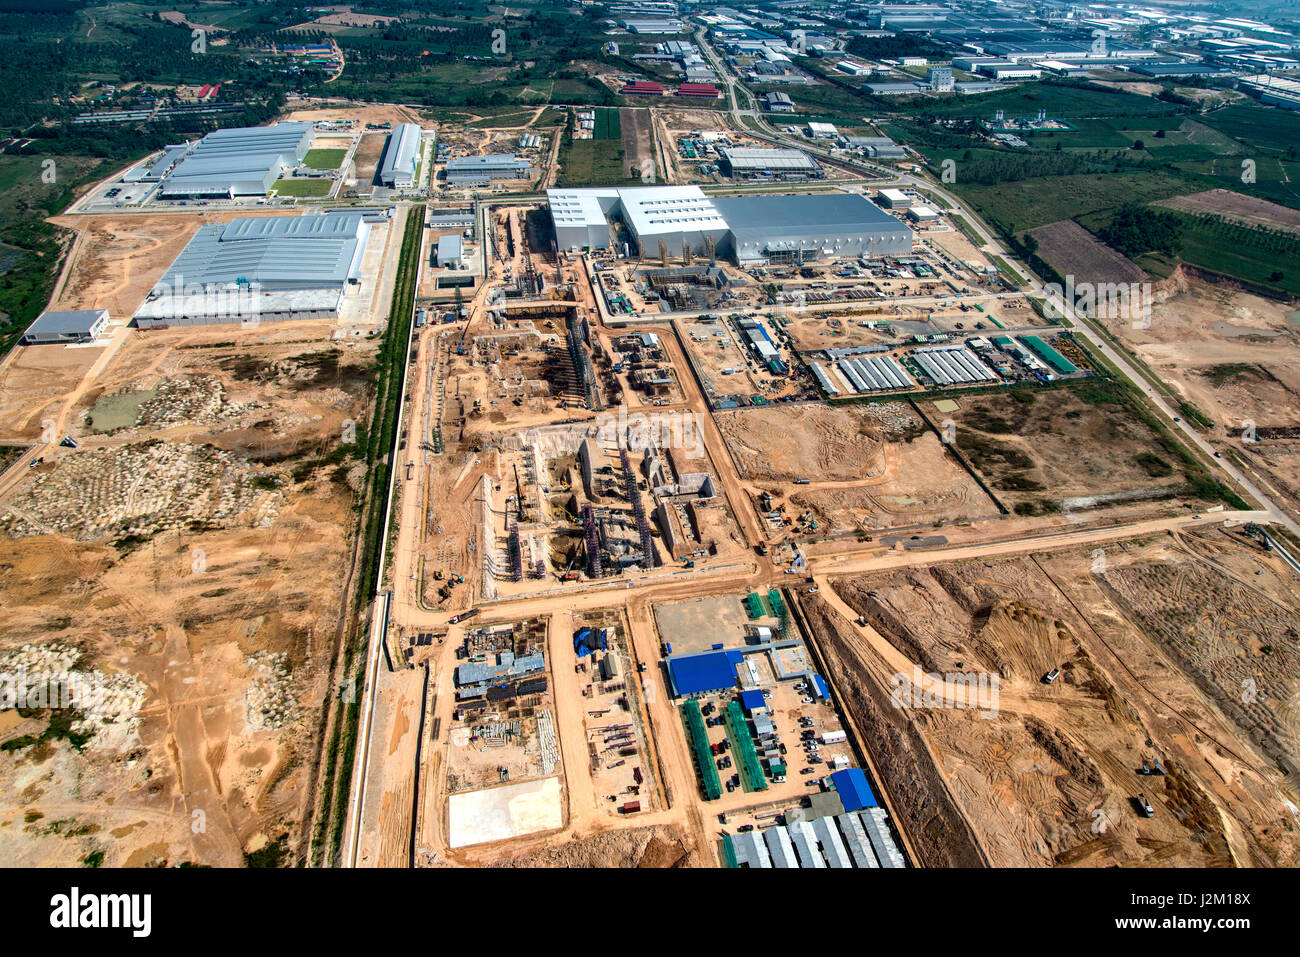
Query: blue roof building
<point x="702" y="673"/>
<point x="752" y="701"/>
<point x="854" y="791"/>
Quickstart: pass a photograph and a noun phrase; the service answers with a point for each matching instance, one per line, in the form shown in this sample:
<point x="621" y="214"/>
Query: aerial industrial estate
<point x="855" y="436"/>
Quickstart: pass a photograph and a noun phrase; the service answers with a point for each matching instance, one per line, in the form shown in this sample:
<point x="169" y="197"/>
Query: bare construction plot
<point x="1238" y="207"/>
<point x="1065" y="449"/>
<point x="1041" y="774"/>
<point x="1073" y="251"/>
<point x="497" y="814"/>
<point x="818" y="471"/>
<point x="193" y="547"/>
<point x="1235" y="358"/>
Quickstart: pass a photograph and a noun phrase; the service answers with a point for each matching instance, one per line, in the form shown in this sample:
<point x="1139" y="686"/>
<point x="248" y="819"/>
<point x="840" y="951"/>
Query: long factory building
<point x="749" y="230"/>
<point x="953" y="365"/>
<point x="236" y="162"/>
<point x="260" y="268"/>
<point x="401" y="156"/>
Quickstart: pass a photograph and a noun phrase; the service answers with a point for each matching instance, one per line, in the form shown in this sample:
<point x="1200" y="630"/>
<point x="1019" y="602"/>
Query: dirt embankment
<point x="655" y="846"/>
<point x="928" y="814"/>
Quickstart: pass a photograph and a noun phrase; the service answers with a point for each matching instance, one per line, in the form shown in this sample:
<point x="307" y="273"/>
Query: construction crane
<point x="519" y="495"/>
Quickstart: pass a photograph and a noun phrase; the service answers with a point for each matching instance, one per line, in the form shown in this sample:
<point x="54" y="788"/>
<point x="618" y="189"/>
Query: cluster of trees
<point x="899" y="45"/>
<point x="988" y="167"/>
<point x="1138" y="228"/>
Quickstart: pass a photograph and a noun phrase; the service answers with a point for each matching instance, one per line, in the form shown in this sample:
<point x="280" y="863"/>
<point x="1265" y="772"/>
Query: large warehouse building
<point x="238" y="162"/>
<point x="401" y="156"/>
<point x="743" y="161"/>
<point x="260" y="268"/>
<point x="482" y="170"/>
<point x="749" y="230"/>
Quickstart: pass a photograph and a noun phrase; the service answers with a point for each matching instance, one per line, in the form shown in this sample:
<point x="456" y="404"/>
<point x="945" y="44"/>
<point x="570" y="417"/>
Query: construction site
<point x="1117" y="734"/>
<point x="740" y="529"/>
<point x="578" y="457"/>
<point x="185" y="538"/>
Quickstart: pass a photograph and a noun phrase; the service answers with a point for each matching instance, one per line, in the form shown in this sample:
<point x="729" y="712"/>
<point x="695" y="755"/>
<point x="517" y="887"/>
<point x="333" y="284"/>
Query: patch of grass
<point x="93" y="859"/>
<point x="609" y="124"/>
<point x="324" y="158"/>
<point x="272" y="855"/>
<point x="1194" y="415"/>
<point x="59" y="728"/>
<point x="303" y="188"/>
<point x="1226" y="372"/>
<point x="1266" y="257"/>
<point x="1153" y="464"/>
<point x="592" y="163"/>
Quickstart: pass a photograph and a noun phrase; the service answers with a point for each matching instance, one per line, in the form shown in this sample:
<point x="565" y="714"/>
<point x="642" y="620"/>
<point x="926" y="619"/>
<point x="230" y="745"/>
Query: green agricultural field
<point x="324" y="158"/>
<point x="502" y="121"/>
<point x="592" y="163"/>
<point x="1036" y="202"/>
<point x="609" y="125"/>
<point x="1240" y="251"/>
<point x="1262" y="127"/>
<point x="303" y="188"/>
<point x="1061" y="100"/>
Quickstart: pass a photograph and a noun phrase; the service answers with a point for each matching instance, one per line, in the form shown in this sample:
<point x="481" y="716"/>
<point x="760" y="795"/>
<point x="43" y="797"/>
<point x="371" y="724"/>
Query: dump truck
<point x="463" y="616"/>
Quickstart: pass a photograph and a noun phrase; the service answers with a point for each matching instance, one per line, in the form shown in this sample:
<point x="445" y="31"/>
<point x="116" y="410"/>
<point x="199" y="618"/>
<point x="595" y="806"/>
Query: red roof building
<point x="699" y="89"/>
<point x="644" y="88"/>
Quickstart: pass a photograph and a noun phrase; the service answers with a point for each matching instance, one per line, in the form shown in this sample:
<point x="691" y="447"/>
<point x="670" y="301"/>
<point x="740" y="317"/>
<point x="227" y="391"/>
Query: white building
<point x="66" y="325"/>
<point x="940" y="78"/>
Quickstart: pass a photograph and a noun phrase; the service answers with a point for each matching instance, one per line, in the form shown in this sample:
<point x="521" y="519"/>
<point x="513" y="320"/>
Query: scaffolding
<point x="591" y="535"/>
<point x="638" y="513"/>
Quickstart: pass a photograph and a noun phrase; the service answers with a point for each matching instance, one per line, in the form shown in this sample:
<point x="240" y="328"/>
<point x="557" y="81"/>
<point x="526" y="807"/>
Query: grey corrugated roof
<point x="292" y="252"/>
<point x="62" y="321"/>
<point x="856" y="840"/>
<point x="744" y="157"/>
<point x="832" y="846"/>
<point x="780" y="847"/>
<point x="764" y="217"/>
<point x="474" y="164"/>
<point x="805" y="842"/>
<point x="749" y="849"/>
<point x="400" y="154"/>
<point x="241" y="154"/>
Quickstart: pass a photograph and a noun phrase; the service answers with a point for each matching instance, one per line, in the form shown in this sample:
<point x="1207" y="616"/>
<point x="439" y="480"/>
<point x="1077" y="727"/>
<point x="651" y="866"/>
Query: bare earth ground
<point x="120" y="258"/>
<point x="1236" y="206"/>
<point x="33" y="383"/>
<point x="1049" y="779"/>
<point x="638" y="144"/>
<point x="809" y="441"/>
<point x="1236" y="358"/>
<point x="1059" y="448"/>
<point x="1072" y="250"/>
<point x="362" y="113"/>
<point x="218" y="592"/>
